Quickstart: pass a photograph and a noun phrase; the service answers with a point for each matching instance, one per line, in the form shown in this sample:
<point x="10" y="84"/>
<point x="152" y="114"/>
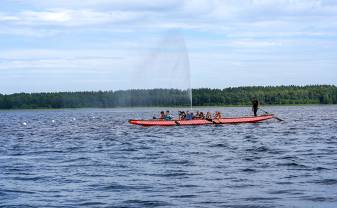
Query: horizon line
<point x="135" y="89"/>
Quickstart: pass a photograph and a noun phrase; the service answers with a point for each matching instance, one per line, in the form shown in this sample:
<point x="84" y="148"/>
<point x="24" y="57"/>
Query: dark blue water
<point x="94" y="158"/>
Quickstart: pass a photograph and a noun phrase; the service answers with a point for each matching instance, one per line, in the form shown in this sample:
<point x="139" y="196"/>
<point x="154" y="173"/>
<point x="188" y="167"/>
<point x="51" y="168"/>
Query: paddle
<point x="277" y="118"/>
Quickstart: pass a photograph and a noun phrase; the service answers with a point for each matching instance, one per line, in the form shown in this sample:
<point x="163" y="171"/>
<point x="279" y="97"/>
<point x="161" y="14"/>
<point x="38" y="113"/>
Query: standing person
<point x="255" y="106"/>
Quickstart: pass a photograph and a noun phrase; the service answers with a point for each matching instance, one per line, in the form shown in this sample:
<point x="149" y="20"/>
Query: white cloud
<point x="28" y="32"/>
<point x="68" y="17"/>
<point x="48" y="16"/>
<point x="105" y="4"/>
<point x="189" y="14"/>
<point x="223" y="36"/>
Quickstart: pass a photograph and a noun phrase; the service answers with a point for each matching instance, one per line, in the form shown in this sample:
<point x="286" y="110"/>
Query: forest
<point x="233" y="96"/>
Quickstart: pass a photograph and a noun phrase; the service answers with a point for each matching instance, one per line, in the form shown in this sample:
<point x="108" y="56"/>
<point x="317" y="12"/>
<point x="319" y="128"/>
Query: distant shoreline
<point x="165" y="107"/>
<point x="168" y="98"/>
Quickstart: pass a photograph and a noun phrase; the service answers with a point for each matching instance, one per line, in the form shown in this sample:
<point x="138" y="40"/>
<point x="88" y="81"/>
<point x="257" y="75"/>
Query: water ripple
<point x="94" y="158"/>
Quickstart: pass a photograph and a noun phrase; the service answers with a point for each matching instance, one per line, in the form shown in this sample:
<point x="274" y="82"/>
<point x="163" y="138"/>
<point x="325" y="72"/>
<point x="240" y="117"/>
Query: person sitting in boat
<point x="161" y="116"/>
<point x="217" y="115"/>
<point x="197" y="115"/>
<point x="208" y="116"/>
<point x="189" y="115"/>
<point x="182" y="115"/>
<point x="192" y="115"/>
<point x="168" y="116"/>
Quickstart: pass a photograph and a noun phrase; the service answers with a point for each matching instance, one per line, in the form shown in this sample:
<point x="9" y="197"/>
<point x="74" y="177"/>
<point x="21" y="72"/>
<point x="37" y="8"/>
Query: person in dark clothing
<point x="162" y="115"/>
<point x="255" y="107"/>
<point x="182" y="115"/>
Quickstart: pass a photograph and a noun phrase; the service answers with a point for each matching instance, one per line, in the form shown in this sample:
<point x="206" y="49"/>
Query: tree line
<point x="267" y="95"/>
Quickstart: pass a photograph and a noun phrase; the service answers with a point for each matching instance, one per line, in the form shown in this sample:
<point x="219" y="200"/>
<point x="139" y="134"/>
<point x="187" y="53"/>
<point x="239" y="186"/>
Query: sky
<point x="77" y="45"/>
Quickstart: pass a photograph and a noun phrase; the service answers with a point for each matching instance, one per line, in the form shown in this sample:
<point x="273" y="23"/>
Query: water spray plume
<point x="166" y="66"/>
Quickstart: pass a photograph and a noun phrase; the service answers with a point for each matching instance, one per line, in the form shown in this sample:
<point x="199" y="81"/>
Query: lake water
<point x="94" y="158"/>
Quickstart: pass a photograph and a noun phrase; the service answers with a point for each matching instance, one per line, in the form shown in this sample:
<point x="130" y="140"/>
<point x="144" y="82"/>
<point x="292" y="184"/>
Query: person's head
<point x="167" y="112"/>
<point x="162" y="112"/>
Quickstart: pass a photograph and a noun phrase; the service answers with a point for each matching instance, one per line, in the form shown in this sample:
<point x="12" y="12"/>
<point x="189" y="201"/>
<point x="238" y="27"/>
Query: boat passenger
<point x="217" y="115"/>
<point x="201" y="115"/>
<point x="162" y="115"/>
<point x="208" y="116"/>
<point x="182" y="115"/>
<point x="197" y="115"/>
<point x="168" y="116"/>
<point x="189" y="116"/>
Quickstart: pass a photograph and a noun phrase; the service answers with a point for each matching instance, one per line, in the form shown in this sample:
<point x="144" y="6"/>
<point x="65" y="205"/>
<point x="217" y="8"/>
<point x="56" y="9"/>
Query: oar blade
<point x="277" y="118"/>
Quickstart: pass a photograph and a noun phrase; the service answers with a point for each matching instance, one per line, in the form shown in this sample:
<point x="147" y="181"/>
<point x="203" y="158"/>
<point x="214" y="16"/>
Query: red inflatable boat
<point x="236" y="120"/>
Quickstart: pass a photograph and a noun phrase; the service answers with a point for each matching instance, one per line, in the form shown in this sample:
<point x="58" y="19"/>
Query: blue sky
<point x="119" y="44"/>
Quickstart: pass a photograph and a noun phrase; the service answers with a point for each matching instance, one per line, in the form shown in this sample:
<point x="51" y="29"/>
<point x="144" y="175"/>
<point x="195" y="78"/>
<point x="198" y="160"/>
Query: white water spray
<point x="166" y="66"/>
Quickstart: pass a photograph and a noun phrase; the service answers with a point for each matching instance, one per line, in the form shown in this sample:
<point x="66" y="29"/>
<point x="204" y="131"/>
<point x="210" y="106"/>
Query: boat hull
<point x="235" y="120"/>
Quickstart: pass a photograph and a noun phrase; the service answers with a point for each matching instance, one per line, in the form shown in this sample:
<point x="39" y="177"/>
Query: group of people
<point x="164" y="115"/>
<point x="190" y="115"/>
<point x="182" y="115"/>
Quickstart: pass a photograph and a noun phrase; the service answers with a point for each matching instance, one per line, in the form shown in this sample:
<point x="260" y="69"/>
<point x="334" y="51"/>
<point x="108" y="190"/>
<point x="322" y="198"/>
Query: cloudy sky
<point x="62" y="45"/>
